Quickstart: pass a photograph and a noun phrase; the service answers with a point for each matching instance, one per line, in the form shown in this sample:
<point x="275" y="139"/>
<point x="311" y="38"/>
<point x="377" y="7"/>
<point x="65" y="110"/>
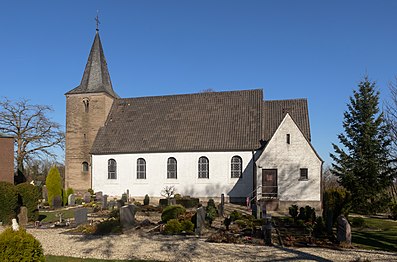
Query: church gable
<point x="215" y="121"/>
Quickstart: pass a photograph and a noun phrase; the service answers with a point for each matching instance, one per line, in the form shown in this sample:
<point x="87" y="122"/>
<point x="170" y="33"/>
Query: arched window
<point x="203" y="167"/>
<point x="141" y="168"/>
<point x="171" y="168"/>
<point x="236" y="167"/>
<point x="85" y="166"/>
<point x="86" y="103"/>
<point x="112" y="169"/>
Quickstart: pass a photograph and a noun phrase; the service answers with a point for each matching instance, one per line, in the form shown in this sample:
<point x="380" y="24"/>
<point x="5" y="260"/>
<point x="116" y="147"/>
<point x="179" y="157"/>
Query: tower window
<point x="112" y="169"/>
<point x="236" y="167"/>
<point x="86" y="103"/>
<point x="85" y="166"/>
<point x="203" y="167"/>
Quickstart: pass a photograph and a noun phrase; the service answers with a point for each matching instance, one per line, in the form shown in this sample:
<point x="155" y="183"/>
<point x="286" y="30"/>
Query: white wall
<point x="288" y="159"/>
<point x="187" y="182"/>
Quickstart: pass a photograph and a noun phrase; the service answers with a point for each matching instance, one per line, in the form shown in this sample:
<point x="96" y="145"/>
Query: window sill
<point x="303" y="179"/>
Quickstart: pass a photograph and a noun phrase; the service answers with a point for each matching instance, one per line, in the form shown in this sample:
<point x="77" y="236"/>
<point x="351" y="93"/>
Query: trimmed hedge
<point x="54" y="184"/>
<point x="8" y="202"/>
<point x="172" y="212"/>
<point x="19" y="246"/>
<point x="30" y="198"/>
<point x="188" y="202"/>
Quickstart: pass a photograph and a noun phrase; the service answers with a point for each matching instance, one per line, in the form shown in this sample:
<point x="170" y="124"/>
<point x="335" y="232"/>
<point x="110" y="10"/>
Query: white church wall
<point x="187" y="182"/>
<point x="288" y="159"/>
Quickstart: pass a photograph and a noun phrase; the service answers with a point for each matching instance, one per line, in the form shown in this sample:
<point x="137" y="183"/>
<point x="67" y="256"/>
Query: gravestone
<point x="200" y="222"/>
<point x="72" y="200"/>
<point x="23" y="216"/>
<point x="80" y="216"/>
<point x="98" y="196"/>
<point x="220" y="210"/>
<point x="128" y="196"/>
<point x="127" y="215"/>
<point x="44" y="193"/>
<point x="104" y="202"/>
<point x="57" y="202"/>
<point x="112" y="204"/>
<point x="223" y="199"/>
<point x="87" y="197"/>
<point x="343" y="232"/>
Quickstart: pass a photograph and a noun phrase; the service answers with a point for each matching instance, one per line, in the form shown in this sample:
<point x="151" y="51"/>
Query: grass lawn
<point x="51" y="216"/>
<point x="378" y="234"/>
<point x="73" y="259"/>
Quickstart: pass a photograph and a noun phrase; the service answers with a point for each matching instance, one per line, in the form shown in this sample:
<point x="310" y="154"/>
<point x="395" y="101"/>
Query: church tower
<point x="87" y="107"/>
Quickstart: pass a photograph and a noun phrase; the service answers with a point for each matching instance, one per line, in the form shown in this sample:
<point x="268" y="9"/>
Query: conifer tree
<point x="362" y="164"/>
<point x="54" y="184"/>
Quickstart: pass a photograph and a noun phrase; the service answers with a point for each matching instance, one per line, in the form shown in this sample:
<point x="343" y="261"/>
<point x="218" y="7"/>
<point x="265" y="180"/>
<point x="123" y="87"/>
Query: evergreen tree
<point x="54" y="184"/>
<point x="363" y="165"/>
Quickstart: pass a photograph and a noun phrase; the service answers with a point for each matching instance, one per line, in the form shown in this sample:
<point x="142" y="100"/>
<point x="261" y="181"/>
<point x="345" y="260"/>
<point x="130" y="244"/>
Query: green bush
<point x="211" y="214"/>
<point x="177" y="196"/>
<point x="393" y="211"/>
<point x="172" y="212"/>
<point x="319" y="229"/>
<point x="30" y="198"/>
<point x="108" y="226"/>
<point x="54" y="184"/>
<point x="19" y="246"/>
<point x="235" y="215"/>
<point x="241" y="223"/>
<point x="173" y="226"/>
<point x="8" y="202"/>
<point x="293" y="211"/>
<point x="187" y="226"/>
<point x="336" y="201"/>
<point x="146" y="200"/>
<point x="358" y="222"/>
<point x="211" y="203"/>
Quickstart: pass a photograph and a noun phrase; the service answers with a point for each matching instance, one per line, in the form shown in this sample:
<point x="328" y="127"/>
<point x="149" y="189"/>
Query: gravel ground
<point x="131" y="245"/>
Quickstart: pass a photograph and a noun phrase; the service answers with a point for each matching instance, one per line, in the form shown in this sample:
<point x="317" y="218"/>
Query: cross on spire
<point x="97" y="20"/>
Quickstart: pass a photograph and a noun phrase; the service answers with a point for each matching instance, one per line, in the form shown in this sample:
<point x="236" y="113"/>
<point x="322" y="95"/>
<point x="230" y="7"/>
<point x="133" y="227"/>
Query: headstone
<point x="127" y="215"/>
<point x="267" y="231"/>
<point x="223" y="199"/>
<point x="23" y="216"/>
<point x="120" y="203"/>
<point x="128" y="196"/>
<point x="87" y="197"/>
<point x="112" y="204"/>
<point x="98" y="196"/>
<point x="15" y="225"/>
<point x="343" y="232"/>
<point x="80" y="216"/>
<point x="104" y="202"/>
<point x="72" y="200"/>
<point x="172" y="201"/>
<point x="220" y="210"/>
<point x="200" y="219"/>
<point x="57" y="202"/>
<point x="44" y="193"/>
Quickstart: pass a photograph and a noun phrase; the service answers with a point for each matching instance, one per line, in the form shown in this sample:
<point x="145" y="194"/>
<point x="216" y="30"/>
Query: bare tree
<point x="34" y="133"/>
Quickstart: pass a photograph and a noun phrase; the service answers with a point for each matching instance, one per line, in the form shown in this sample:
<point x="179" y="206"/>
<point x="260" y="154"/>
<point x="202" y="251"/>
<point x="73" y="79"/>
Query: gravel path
<point x="177" y="248"/>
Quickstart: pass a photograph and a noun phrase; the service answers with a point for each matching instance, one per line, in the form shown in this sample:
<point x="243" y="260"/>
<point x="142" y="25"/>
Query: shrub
<point x="211" y="203"/>
<point x="241" y="223"/>
<point x="146" y="200"/>
<point x="19" y="246"/>
<point x="393" y="211"/>
<point x="319" y="227"/>
<point x="188" y="202"/>
<point x="358" y="222"/>
<point x="293" y="211"/>
<point x="108" y="226"/>
<point x="79" y="201"/>
<point x="8" y="202"/>
<point x="54" y="184"/>
<point x="187" y="226"/>
<point x="172" y="212"/>
<point x="211" y="214"/>
<point x="227" y="222"/>
<point x="124" y="197"/>
<point x="69" y="191"/>
<point x="30" y="198"/>
<point x="235" y="215"/>
<point x="336" y="201"/>
<point x="173" y="226"/>
<point x="177" y="196"/>
<point x="310" y="214"/>
<point x="91" y="191"/>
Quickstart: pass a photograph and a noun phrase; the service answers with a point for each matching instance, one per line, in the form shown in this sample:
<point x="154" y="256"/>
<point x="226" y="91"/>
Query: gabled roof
<point x="96" y="78"/>
<point x="274" y="112"/>
<point x="215" y="121"/>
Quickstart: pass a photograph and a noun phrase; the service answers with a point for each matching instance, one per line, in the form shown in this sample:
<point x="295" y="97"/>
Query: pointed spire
<point x="96" y="78"/>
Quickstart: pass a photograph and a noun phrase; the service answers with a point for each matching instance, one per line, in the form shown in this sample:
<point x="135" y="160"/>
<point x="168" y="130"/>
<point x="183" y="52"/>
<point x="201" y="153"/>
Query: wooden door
<point x="269" y="183"/>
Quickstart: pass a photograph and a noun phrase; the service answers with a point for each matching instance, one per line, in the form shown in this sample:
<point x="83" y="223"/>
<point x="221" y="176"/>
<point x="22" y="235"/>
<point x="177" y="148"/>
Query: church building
<point x="204" y="144"/>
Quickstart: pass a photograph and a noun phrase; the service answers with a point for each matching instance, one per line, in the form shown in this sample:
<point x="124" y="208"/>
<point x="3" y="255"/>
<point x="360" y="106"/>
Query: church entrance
<point x="269" y="183"/>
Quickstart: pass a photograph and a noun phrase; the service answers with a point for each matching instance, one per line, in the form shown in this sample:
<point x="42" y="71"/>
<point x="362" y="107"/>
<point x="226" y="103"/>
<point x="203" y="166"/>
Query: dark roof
<point x="215" y="121"/>
<point x="274" y="112"/>
<point x="96" y="78"/>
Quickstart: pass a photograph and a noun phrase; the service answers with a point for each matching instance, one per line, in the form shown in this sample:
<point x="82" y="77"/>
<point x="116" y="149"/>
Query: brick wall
<point x="7" y="159"/>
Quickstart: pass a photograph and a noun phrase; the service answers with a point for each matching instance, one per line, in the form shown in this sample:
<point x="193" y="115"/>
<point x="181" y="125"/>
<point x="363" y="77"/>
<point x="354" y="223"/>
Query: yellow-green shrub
<point x="54" y="184"/>
<point x="19" y="246"/>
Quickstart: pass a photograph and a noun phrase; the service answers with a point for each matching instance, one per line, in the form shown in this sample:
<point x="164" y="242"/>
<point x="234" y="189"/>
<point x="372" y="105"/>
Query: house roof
<point x="274" y="112"/>
<point x="214" y="121"/>
<point x="96" y="78"/>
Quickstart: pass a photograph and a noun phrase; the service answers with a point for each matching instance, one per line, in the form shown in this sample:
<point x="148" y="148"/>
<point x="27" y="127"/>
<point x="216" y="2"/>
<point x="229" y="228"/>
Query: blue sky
<point x="318" y="50"/>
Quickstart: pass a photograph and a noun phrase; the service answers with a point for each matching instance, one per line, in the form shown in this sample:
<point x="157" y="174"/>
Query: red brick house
<point x="6" y="158"/>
